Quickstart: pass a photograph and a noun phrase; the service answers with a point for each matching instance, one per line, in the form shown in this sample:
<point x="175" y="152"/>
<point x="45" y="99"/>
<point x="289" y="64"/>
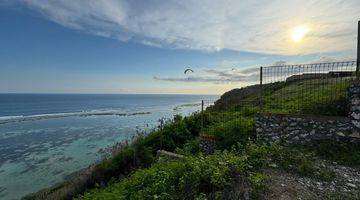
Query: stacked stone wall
<point x="301" y="129"/>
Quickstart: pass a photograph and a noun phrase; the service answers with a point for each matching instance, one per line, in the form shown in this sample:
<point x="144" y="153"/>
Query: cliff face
<point x="234" y="97"/>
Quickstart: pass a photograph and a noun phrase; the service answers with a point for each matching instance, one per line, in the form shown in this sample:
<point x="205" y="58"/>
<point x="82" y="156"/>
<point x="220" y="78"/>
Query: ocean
<point x="46" y="137"/>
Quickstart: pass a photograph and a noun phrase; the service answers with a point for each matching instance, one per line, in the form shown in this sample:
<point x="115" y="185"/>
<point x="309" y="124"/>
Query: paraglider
<point x="188" y="70"/>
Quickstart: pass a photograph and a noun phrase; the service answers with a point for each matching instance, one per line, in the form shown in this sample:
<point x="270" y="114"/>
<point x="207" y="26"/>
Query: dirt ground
<point x="288" y="186"/>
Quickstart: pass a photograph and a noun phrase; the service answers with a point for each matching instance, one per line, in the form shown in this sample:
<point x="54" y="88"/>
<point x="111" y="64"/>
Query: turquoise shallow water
<point x="39" y="152"/>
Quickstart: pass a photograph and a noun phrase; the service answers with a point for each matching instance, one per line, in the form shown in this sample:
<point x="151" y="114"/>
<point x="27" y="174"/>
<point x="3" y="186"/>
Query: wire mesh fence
<point x="307" y="88"/>
<point x="319" y="89"/>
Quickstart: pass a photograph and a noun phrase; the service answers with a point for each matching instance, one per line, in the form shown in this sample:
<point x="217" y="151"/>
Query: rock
<point x="355" y="116"/>
<point x="340" y="134"/>
<point x="351" y="185"/>
<point x="295" y="132"/>
<point x="293" y="124"/>
<point x="312" y="132"/>
<point x="273" y="165"/>
<point x="356" y="123"/>
<point x="355" y="135"/>
<point x="275" y="138"/>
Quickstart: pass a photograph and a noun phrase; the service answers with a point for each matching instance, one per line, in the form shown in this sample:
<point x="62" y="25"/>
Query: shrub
<point x="193" y="178"/>
<point x="258" y="184"/>
<point x="236" y="131"/>
<point x="190" y="148"/>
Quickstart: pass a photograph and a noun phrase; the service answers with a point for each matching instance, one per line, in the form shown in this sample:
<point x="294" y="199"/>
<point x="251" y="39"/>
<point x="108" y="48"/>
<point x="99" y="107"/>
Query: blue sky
<point x="135" y="47"/>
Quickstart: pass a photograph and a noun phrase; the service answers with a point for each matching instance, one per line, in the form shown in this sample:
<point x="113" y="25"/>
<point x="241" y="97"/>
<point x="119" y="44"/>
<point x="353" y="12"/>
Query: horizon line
<point x="105" y="93"/>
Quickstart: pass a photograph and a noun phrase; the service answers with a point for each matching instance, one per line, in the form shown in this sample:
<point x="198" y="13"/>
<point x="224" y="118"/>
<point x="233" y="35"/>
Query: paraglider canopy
<point x="188" y="70"/>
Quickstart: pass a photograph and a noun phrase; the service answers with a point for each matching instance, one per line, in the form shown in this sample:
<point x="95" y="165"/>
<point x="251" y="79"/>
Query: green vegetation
<point x="193" y="178"/>
<point x="317" y="96"/>
<point x="236" y="170"/>
<point x="212" y="176"/>
<point x="236" y="131"/>
<point x="343" y="153"/>
<point x="326" y="97"/>
<point x="293" y="160"/>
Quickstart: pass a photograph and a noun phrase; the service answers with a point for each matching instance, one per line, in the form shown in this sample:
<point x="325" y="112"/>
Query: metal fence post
<point x="358" y="53"/>
<point x="202" y="114"/>
<point x="261" y="88"/>
<point x="161" y="133"/>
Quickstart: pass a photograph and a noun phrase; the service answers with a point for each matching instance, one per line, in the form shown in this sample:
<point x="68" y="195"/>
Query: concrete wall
<point x="301" y="129"/>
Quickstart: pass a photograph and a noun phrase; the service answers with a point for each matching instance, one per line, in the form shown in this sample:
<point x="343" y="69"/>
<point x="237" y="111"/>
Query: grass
<point x="302" y="163"/>
<point x="347" y="154"/>
<point x="310" y="96"/>
<point x="318" y="96"/>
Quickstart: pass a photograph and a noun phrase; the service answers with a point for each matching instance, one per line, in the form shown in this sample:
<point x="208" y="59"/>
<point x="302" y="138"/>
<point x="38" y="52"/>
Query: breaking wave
<point x="21" y="118"/>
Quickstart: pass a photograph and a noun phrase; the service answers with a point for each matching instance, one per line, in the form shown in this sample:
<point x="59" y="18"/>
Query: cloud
<point x="328" y="59"/>
<point x="279" y="63"/>
<point x="211" y="25"/>
<point x="194" y="79"/>
<point x="223" y="76"/>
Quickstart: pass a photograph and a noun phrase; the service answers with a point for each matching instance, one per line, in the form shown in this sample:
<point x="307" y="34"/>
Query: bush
<point x="258" y="184"/>
<point x="193" y="178"/>
<point x="190" y="148"/>
<point x="236" y="131"/>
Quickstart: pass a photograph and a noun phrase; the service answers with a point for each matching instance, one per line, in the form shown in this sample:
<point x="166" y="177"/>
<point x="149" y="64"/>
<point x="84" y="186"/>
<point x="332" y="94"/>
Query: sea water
<point x="46" y="137"/>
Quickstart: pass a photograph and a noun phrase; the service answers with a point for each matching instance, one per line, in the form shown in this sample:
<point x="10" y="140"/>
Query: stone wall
<point x="208" y="143"/>
<point x="301" y="129"/>
<point x="354" y="101"/>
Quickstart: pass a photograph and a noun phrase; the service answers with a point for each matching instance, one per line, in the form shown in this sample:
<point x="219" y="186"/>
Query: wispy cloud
<point x="258" y="26"/>
<point x="216" y="76"/>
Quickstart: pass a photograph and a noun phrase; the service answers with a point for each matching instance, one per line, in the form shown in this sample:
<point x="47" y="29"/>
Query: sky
<point x="134" y="46"/>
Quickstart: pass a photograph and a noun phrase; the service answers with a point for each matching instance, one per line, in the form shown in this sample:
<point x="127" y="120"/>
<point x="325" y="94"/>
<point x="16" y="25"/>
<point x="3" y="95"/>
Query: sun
<point x="298" y="33"/>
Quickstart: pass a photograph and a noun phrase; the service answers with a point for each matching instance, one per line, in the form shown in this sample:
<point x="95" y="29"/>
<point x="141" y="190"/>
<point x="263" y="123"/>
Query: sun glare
<point x="298" y="33"/>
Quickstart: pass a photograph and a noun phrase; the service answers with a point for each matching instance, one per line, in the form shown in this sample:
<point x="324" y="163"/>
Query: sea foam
<point x="20" y="118"/>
